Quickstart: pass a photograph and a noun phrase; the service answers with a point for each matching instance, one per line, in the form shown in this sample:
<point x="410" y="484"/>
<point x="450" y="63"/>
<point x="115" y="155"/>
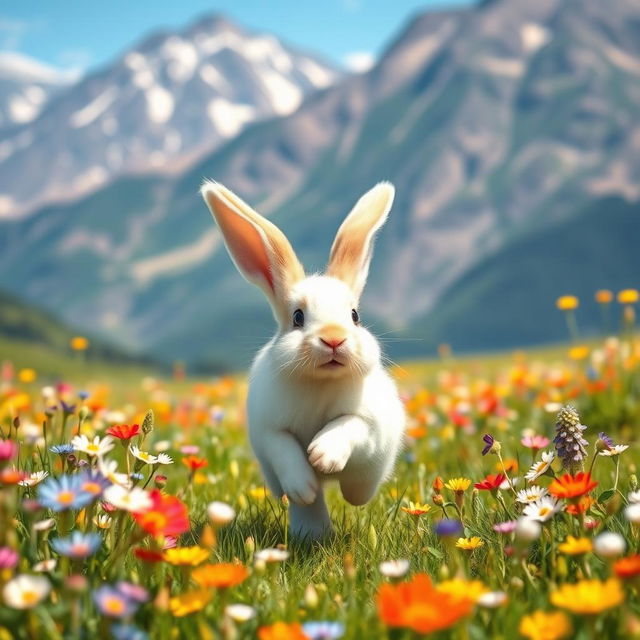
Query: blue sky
<point x="85" y="34"/>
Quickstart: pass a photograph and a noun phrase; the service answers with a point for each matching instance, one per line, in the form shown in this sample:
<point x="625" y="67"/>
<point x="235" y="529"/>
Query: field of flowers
<point x="134" y="509"/>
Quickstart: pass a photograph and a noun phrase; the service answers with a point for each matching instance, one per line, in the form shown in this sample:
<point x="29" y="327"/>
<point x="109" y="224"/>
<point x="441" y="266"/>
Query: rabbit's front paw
<point x="329" y="452"/>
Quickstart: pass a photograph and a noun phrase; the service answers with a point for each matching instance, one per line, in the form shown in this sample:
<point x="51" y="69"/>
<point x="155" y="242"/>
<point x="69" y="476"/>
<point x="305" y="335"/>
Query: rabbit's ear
<point x="353" y="246"/>
<point x="260" y="251"/>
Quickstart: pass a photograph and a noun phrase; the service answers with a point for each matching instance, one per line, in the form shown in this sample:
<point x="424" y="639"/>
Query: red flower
<point x="491" y="483"/>
<point x="148" y="555"/>
<point x="124" y="431"/>
<point x="167" y="516"/>
<point x="193" y="462"/>
<point x="571" y="487"/>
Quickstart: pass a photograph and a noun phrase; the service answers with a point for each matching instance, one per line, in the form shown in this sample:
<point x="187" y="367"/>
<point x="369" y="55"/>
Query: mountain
<point x="158" y="107"/>
<point x="504" y="126"/>
<point x="26" y="86"/>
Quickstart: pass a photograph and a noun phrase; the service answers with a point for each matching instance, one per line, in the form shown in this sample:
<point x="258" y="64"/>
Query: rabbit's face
<point x="323" y="337"/>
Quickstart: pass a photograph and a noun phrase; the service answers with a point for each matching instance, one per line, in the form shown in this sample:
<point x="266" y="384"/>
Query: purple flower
<point x="113" y="603"/>
<point x="489" y="440"/>
<point x="605" y="441"/>
<point x="8" y="558"/>
<point x="448" y="528"/>
<point x="133" y="591"/>
<point x="67" y="409"/>
<point x="323" y="630"/>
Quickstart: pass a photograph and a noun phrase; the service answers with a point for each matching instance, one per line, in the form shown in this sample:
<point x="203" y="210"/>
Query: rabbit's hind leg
<point x="310" y="522"/>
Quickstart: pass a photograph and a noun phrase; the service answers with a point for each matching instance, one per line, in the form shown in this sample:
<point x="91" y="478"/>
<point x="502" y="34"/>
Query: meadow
<point x="132" y="508"/>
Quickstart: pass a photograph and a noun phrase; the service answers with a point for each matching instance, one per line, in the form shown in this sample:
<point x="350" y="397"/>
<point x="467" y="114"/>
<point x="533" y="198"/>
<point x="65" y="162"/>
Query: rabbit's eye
<point x="298" y="318"/>
<point x="354" y="316"/>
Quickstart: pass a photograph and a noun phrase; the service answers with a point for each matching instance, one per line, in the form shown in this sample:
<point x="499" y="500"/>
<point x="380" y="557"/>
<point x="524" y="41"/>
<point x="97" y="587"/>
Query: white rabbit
<point x="320" y="406"/>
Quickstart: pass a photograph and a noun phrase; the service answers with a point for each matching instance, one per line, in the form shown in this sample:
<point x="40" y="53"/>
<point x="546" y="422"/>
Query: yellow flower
<point x="26" y="375"/>
<point x="259" y="493"/>
<point x="589" y="596"/>
<point x="79" y="343"/>
<point x="604" y="296"/>
<point x="575" y="546"/>
<point x="579" y="353"/>
<point x="416" y="509"/>
<point x="186" y="556"/>
<point x="469" y="544"/>
<point x="458" y="484"/>
<point x="628" y="296"/>
<point x="189" y="602"/>
<point x="463" y="589"/>
<point x="567" y="303"/>
<point x="545" y="626"/>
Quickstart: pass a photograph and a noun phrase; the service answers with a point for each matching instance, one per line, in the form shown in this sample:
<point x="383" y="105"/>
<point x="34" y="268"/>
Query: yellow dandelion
<point x="589" y="597"/>
<point x="567" y="303"/>
<point x="186" y="556"/>
<point x="189" y="602"/>
<point x="628" y="296"/>
<point x="469" y="544"/>
<point x="575" y="546"/>
<point x="541" y="625"/>
<point x="458" y="484"/>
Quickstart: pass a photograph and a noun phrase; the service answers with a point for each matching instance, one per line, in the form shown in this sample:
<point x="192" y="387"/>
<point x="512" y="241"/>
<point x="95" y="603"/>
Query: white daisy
<point x="25" y="591"/>
<point x="109" y="469"/>
<point x="103" y="521"/>
<point x="240" y="612"/>
<point x="135" y="499"/>
<point x="143" y="456"/>
<point x="541" y="466"/>
<point x="394" y="568"/>
<point x="220" y="513"/>
<point x="96" y="448"/>
<point x="163" y="458"/>
<point x="33" y="479"/>
<point x="615" y="450"/>
<point x="531" y="494"/>
<point x="543" y="510"/>
<point x="271" y="555"/>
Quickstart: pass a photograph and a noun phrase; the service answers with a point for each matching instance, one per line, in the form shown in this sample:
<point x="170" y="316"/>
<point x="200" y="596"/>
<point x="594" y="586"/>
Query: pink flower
<point x="8" y="558"/>
<point x="8" y="450"/>
<point x="190" y="449"/>
<point x="505" y="527"/>
<point x="535" y="442"/>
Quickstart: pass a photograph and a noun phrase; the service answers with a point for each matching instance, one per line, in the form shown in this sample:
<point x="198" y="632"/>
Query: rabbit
<point x="320" y="404"/>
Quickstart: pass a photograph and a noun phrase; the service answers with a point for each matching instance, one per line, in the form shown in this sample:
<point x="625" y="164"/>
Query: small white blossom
<point x="135" y="499"/>
<point x="609" y="544"/>
<point x="394" y="568"/>
<point x="97" y="447"/>
<point x="143" y="456"/>
<point x="25" y="591"/>
<point x="220" y="513"/>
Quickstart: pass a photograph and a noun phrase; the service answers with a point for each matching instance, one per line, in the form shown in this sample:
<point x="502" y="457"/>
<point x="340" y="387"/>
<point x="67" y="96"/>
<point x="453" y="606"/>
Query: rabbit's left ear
<point x="352" y="249"/>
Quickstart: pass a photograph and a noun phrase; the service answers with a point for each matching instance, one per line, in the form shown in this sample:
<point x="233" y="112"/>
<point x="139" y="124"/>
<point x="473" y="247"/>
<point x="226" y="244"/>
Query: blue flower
<point x="93" y="482"/>
<point x="62" y="449"/>
<point x="128" y="632"/>
<point x="77" y="545"/>
<point x="83" y="395"/>
<point x="62" y="493"/>
<point x="323" y="630"/>
<point x="448" y="528"/>
<point x="113" y="603"/>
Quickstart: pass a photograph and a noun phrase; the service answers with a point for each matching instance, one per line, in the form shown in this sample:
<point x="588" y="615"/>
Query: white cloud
<point x="359" y="61"/>
<point x="12" y="32"/>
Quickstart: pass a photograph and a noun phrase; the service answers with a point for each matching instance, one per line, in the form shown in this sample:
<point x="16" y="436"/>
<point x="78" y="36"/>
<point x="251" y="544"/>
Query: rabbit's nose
<point x="333" y="343"/>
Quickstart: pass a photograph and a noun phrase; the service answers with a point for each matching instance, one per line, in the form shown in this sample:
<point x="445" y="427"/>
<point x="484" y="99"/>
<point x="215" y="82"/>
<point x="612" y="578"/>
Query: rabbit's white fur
<point x="318" y="409"/>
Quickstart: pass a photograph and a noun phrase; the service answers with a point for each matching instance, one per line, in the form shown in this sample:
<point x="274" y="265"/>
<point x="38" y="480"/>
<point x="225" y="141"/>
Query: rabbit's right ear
<point x="260" y="251"/>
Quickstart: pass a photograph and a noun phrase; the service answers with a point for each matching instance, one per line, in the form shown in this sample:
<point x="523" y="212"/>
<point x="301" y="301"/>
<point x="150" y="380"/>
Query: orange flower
<point x="124" y="431"/>
<point x="438" y="484"/>
<point x="282" y="631"/>
<point x="582" y="506"/>
<point x="570" y="487"/>
<point x="194" y="463"/>
<point x="417" y="605"/>
<point x="167" y="516"/>
<point x="416" y="509"/>
<point x="628" y="567"/>
<point x="221" y="575"/>
<point x="604" y="296"/>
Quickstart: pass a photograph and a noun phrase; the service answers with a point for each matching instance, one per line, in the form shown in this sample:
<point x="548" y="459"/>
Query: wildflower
<point x="603" y="442"/>
<point x="541" y="625"/>
<point x="628" y="296"/>
<point x="134" y="500"/>
<point x="581" y="506"/>
<point x="8" y="558"/>
<point x="271" y="555"/>
<point x="542" y="510"/>
<point x="417" y="605"/>
<point x="163" y="458"/>
<point x="493" y="599"/>
<point x="614" y="450"/>
<point x="323" y="630"/>
<point x="189" y="602"/>
<point x="632" y="513"/>
<point x="394" y="568"/>
<point x="571" y="487"/>
<point x="588" y="597"/>
<point x="628" y="567"/>
<point x="62" y="449"/>
<point x="448" y="528"/>
<point x="437" y="485"/>
<point x="491" y="483"/>
<point x="240" y="612"/>
<point x="44" y="525"/>
<point x="535" y="442"/>
<point x="96" y="448"/>
<point x="124" y="431"/>
<point x="167" y="516"/>
<point x="45" y="566"/>
<point x="463" y="589"/>
<point x="221" y="576"/>
<point x="103" y="521"/>
<point x="8" y="450"/>
<point x="186" y="556"/>
<point x="491" y="445"/>
<point x="570" y="445"/>
<point x="25" y="591"/>
<point x="128" y="632"/>
<point x="12" y="476"/>
<point x="609" y="544"/>
<point x="469" y="544"/>
<point x="193" y="463"/>
<point x="575" y="546"/>
<point x="634" y="497"/>
<point x="62" y="493"/>
<point x="458" y="484"/>
<point x="112" y="603"/>
<point x="133" y="591"/>
<point x="505" y="527"/>
<point x="34" y="479"/>
<point x="77" y="545"/>
<point x="282" y="631"/>
<point x="220" y="513"/>
<point x="79" y="343"/>
<point x="540" y="467"/>
<point x="579" y="352"/>
<point x="143" y="456"/>
<point x="416" y="509"/>
<point x="533" y="493"/>
<point x="148" y="555"/>
<point x="604" y="296"/>
<point x="527" y="530"/>
<point x="109" y="469"/>
<point x="567" y="303"/>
